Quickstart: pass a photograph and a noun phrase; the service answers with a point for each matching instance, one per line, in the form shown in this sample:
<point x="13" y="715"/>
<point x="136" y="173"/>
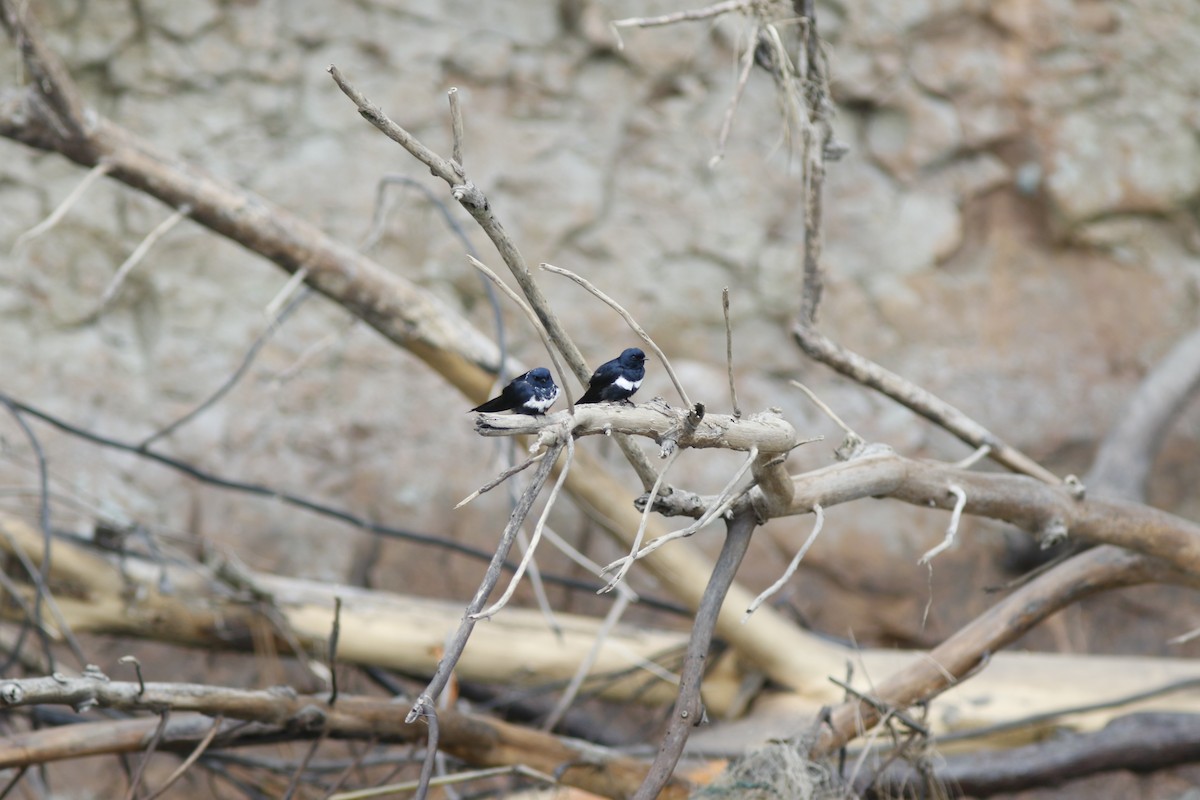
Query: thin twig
<point x="731" y="109"/>
<point x="737" y="411"/>
<point x="689" y="15"/>
<point x="792" y="567"/>
<point x="191" y="759"/>
<point x="425" y="702"/>
<point x="456" y="127"/>
<point x="501" y="478"/>
<point x="585" y="666"/>
<point x="446" y="780"/>
<point x="952" y="529"/>
<point x="298" y="772"/>
<point x="829" y="412"/>
<point x="377" y="222"/>
<point x="978" y="455"/>
<point x="719" y="506"/>
<point x="94" y="174"/>
<point x="537" y="536"/>
<point x="641" y="531"/>
<point x="630" y="321"/>
<point x="163" y="718"/>
<point x="228" y="384"/>
<point x="39" y="576"/>
<point x="533" y="320"/>
<point x="334" y="634"/>
<point x="135" y="258"/>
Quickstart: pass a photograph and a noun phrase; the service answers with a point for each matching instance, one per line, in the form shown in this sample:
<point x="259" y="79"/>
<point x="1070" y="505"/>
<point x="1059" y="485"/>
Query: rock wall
<point x="1014" y="227"/>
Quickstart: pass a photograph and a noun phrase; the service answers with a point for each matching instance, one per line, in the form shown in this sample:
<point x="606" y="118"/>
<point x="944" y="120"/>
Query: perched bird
<point x="531" y="393"/>
<point x="616" y="380"/>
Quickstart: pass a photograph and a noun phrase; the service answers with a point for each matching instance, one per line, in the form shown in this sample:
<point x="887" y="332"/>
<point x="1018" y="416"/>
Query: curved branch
<point x="1123" y="462"/>
<point x="1099" y="569"/>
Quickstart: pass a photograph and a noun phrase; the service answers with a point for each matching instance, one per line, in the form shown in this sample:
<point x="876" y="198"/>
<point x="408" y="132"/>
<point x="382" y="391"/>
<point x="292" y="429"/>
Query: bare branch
<point x="424" y="706"/>
<point x="684" y="16"/>
<point x="1096" y="570"/>
<point x="535" y="322"/>
<point x="630" y="321"/>
<point x="952" y="529"/>
<point x="627" y="562"/>
<point x="818" y="523"/>
<point x="689" y="708"/>
<point x="134" y="259"/>
<point x="908" y="394"/>
<point x="94" y="174"/>
<point x="737" y="412"/>
<point x="537" y="535"/>
<point x="456" y="128"/>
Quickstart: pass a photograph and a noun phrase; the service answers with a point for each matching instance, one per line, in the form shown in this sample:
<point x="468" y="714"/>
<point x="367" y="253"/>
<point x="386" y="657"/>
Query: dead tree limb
<point x="477" y="740"/>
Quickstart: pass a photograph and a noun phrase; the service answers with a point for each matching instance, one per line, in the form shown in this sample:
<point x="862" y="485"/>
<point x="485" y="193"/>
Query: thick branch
<point x="1096" y="570"/>
<point x="689" y="708"/>
<point x="769" y="432"/>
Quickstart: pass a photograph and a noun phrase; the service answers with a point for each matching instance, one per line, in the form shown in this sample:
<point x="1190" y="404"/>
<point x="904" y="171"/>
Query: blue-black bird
<point x="616" y="380"/>
<point x="531" y="393"/>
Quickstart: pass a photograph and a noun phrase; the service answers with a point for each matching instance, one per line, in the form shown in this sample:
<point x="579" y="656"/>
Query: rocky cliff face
<point x="1014" y="227"/>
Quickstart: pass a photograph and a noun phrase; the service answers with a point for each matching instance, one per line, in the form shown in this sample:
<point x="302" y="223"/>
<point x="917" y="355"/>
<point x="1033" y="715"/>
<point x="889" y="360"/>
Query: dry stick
<point x="537" y="326"/>
<point x="793" y="566"/>
<point x="683" y="16"/>
<point x="94" y="174"/>
<point x="737" y="412"/>
<point x="689" y="708"/>
<point x="719" y="506"/>
<point x="163" y="718"/>
<point x="585" y="666"/>
<point x="298" y="772"/>
<point x="960" y="503"/>
<point x="1100" y="569"/>
<point x="135" y="258"/>
<point x="727" y="122"/>
<point x="477" y="205"/>
<point x="903" y="391"/>
<point x="456" y="127"/>
<point x="533" y="542"/>
<point x="334" y="634"/>
<point x="424" y="706"/>
<point x="815" y="98"/>
<point x="191" y="759"/>
<point x="627" y="562"/>
<point x="446" y="780"/>
<point x="829" y="412"/>
<point x="501" y="478"/>
<point x="630" y="321"/>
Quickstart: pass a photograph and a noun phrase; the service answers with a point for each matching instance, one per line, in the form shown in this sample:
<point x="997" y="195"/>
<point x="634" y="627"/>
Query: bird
<point x="616" y="380"/>
<point x="531" y="393"/>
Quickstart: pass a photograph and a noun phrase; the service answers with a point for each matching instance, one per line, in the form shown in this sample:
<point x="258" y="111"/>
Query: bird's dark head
<point x="633" y="357"/>
<point x="539" y="376"/>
